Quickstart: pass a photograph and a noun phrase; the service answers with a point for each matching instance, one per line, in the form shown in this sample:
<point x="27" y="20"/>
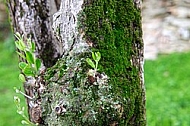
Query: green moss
<point x="114" y="27"/>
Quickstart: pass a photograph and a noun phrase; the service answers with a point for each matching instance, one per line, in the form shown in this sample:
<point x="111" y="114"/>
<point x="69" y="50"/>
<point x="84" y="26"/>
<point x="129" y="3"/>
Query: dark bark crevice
<point x="58" y="3"/>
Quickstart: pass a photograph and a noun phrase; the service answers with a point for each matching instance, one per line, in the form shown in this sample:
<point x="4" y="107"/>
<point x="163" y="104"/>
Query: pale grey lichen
<point x="80" y="101"/>
<point x="72" y="95"/>
<point x="65" y="25"/>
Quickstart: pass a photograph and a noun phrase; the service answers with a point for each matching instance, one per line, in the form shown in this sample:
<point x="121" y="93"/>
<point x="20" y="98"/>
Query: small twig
<point x="27" y="96"/>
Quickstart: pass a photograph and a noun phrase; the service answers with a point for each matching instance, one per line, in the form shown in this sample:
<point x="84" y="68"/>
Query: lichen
<point x="78" y="99"/>
<point x="113" y="96"/>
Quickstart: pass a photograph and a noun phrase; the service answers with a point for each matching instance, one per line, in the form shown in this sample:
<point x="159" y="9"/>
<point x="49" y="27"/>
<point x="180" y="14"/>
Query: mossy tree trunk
<point x="75" y="93"/>
<point x="114" y="28"/>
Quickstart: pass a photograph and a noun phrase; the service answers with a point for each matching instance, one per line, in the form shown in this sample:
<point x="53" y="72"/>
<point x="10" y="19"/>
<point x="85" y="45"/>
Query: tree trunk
<point x="31" y="18"/>
<point x="75" y="93"/>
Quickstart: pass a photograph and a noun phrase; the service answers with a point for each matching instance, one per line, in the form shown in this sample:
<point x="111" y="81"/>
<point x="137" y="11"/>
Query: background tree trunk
<point x="107" y="26"/>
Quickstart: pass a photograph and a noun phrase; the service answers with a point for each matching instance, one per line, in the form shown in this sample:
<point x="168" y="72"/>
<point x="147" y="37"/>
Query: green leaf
<point x="16" y="100"/>
<point x="22" y="44"/>
<point x="93" y="56"/>
<point x="17" y="43"/>
<point x="98" y="56"/>
<point x="16" y="90"/>
<point x="90" y="62"/>
<point x="23" y="109"/>
<point x="38" y="64"/>
<point x="21" y="55"/>
<point x="22" y="78"/>
<point x="33" y="46"/>
<point x="22" y="65"/>
<point x="20" y="112"/>
<point x="17" y="35"/>
<point x="28" y="71"/>
<point x="24" y="122"/>
<point x="30" y="57"/>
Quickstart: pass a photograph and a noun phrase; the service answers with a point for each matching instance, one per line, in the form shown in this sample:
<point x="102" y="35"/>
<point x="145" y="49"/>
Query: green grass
<point x="8" y="79"/>
<point x="167" y="90"/>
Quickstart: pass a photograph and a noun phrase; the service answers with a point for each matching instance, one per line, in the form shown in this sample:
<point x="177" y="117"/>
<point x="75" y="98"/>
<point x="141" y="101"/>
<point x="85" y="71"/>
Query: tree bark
<point x="123" y="58"/>
<point x="113" y="95"/>
<point x="31" y="18"/>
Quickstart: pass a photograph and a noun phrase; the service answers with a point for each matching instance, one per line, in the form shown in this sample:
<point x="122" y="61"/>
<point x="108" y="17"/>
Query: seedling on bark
<point x="96" y="57"/>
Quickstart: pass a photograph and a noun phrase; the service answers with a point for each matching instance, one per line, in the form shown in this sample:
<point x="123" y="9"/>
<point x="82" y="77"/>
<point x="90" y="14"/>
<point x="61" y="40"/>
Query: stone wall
<point x="166" y="26"/>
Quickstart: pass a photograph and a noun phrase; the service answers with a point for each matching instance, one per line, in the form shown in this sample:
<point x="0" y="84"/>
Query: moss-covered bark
<point x="114" y="28"/>
<point x="117" y="97"/>
<point x="72" y="93"/>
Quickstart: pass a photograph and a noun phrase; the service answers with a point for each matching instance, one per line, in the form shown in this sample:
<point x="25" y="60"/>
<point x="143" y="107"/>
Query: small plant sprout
<point x="32" y="65"/>
<point x="29" y="68"/>
<point x="96" y="57"/>
<point x="20" y="111"/>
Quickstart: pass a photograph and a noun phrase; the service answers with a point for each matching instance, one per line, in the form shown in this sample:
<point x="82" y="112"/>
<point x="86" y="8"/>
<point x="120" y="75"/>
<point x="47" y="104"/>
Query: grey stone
<point x="166" y="27"/>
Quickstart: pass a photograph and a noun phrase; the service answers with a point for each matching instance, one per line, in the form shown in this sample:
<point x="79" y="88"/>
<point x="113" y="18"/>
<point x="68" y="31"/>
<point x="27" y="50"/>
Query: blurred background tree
<point x="4" y="21"/>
